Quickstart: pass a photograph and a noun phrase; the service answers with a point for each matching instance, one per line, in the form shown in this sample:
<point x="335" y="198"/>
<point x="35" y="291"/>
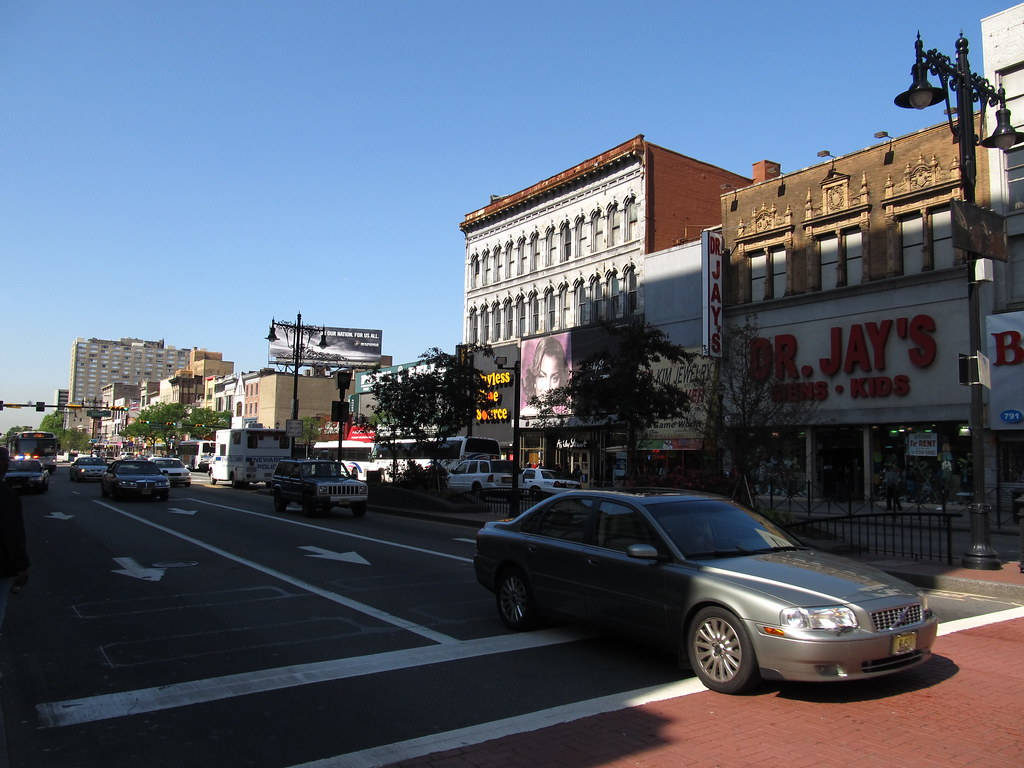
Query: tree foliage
<point x="158" y="422"/>
<point x="428" y="402"/>
<point x="202" y="423"/>
<point x="619" y="386"/>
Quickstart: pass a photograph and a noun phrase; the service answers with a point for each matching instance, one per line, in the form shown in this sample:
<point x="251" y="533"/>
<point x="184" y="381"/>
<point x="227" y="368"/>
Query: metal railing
<point x="916" y="535"/>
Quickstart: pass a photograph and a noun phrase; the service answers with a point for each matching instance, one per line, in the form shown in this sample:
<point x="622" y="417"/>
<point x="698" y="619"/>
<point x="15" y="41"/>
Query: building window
<point x="854" y="258"/>
<point x="1015" y="179"/>
<point x="551" y="245"/>
<point x="484" y="326"/>
<point x="778" y="264"/>
<point x="521" y="315"/>
<point x="497" y="265"/>
<point x="534" y="314"/>
<point x="521" y="255"/>
<point x="579" y="236"/>
<point x="471" y="331"/>
<point x="508" y="319"/>
<point x="614" y="225"/>
<point x="912" y="241"/>
<point x="566" y="306"/>
<point x="595" y="231"/>
<point x="533" y="251"/>
<point x="495" y="322"/>
<point x="566" y="237"/>
<point x="508" y="260"/>
<point x="631" y="219"/>
<point x="597" y="292"/>
<point x="631" y="296"/>
<point x="550" y="311"/>
<point x="942" y="240"/>
<point x="582" y="305"/>
<point x="487" y="267"/>
<point x="758" y="271"/>
<point x="828" y="256"/>
<point x="1017" y="268"/>
<point x="615" y="296"/>
<point x="474" y="272"/>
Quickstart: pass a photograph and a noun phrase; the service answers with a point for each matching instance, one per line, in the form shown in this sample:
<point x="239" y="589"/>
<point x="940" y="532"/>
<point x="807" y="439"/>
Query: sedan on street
<point x="541" y="480"/>
<point x="27" y="475"/>
<point x="176" y="472"/>
<point x="134" y="477"/>
<point x="737" y="597"/>
<point x="87" y="468"/>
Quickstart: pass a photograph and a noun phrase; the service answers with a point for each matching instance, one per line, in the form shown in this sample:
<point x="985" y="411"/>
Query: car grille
<point x="340" y="490"/>
<point x="896" y="617"/>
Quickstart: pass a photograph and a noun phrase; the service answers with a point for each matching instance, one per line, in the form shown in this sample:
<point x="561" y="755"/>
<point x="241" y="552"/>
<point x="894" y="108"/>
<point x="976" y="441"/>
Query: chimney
<point x="765" y="170"/>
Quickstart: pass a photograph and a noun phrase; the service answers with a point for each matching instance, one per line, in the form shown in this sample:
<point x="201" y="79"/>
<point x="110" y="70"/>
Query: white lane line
<point x="335" y="531"/>
<point x="334" y="597"/>
<point x="475" y="734"/>
<point x="398" y="751"/>
<point x="105" y="706"/>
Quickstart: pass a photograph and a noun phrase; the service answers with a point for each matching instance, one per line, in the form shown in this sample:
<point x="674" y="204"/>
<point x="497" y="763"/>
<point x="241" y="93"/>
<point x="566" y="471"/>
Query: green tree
<point x="428" y="402"/>
<point x="15" y="430"/>
<point x="312" y="427"/>
<point x="161" y="421"/>
<point x="202" y="423"/>
<point x="618" y="386"/>
<point x="52" y="422"/>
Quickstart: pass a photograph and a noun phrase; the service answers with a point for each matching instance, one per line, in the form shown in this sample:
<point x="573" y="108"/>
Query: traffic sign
<point x="98" y="414"/>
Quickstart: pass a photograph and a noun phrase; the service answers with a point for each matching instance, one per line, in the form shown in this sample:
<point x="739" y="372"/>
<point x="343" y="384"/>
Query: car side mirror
<point x="642" y="552"/>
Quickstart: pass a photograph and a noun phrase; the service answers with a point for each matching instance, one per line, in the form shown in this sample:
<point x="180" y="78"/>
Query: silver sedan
<point x="736" y="596"/>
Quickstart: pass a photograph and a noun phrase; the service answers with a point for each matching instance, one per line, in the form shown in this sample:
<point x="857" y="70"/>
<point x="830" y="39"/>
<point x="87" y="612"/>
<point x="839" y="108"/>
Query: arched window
<point x="484" y="325"/>
<point x="566" y="306"/>
<point x="533" y="251"/>
<point x="579" y="236"/>
<point x="508" y="260"/>
<point x="565" y="234"/>
<point x="550" y="312"/>
<point x="614" y="225"/>
<point x="534" y="314"/>
<point x="597" y="294"/>
<point x="474" y="271"/>
<point x="596" y="232"/>
<point x="487" y="267"/>
<point x="521" y="255"/>
<point x="471" y="330"/>
<point x="630" y="215"/>
<point x="497" y="264"/>
<point x="508" y="318"/>
<point x="615" y="297"/>
<point x="495" y="322"/>
<point x="549" y="247"/>
<point x="631" y="297"/>
<point x="582" y="304"/>
<point x="520" y="317"/>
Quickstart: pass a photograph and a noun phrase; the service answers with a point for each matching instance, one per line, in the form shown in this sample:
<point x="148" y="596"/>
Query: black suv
<point x="317" y="485"/>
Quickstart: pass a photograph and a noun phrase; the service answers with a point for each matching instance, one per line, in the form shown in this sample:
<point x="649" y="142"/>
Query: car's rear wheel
<point x="720" y="651"/>
<point x="359" y="509"/>
<point x="516" y="606"/>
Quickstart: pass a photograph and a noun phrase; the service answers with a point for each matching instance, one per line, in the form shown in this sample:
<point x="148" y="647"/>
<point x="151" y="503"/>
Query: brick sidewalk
<point x="962" y="708"/>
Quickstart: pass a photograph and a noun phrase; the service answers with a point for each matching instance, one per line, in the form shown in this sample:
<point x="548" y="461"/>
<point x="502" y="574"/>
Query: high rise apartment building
<point x="95" y="363"/>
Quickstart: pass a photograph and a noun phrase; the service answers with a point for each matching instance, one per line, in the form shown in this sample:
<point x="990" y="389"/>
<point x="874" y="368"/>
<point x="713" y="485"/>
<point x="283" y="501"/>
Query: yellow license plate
<point x="904" y="643"/>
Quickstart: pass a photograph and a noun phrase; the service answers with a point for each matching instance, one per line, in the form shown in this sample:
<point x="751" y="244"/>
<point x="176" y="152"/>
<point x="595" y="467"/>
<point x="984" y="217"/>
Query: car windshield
<point x="138" y="468"/>
<point x="704" y="528"/>
<point x="324" y="469"/>
<point x="168" y="463"/>
<point x="25" y="466"/>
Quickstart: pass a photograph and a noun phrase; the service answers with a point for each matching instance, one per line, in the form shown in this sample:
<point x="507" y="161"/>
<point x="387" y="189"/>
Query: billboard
<point x="345" y="346"/>
<point x="546" y="362"/>
<point x="1006" y="355"/>
<point x="712" y="249"/>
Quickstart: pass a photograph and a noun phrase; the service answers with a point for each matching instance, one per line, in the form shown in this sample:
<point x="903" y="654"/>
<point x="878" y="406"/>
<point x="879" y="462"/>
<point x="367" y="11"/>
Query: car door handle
<point x="593" y="561"/>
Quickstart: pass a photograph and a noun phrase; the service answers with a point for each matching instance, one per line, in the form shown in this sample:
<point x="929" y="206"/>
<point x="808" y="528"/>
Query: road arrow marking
<point x="60" y="516"/>
<point x="177" y="511"/>
<point x="131" y="568"/>
<point x="326" y="554"/>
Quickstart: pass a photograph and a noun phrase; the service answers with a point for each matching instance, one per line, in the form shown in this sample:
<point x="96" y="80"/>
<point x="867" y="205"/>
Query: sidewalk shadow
<point x="936" y="670"/>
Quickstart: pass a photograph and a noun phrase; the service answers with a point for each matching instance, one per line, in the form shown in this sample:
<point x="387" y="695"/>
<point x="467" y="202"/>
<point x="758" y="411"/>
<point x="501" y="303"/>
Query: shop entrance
<point x="838" y="464"/>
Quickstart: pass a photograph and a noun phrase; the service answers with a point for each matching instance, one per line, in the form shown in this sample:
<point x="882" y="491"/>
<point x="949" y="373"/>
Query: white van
<point x="248" y="454"/>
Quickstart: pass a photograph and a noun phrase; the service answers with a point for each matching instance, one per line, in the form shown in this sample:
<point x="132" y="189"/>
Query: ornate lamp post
<point x="969" y="88"/>
<point x="301" y="336"/>
<point x="502" y="362"/>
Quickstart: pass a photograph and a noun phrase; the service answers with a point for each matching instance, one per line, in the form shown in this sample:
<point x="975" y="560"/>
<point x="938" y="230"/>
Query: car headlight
<point x="830" y="617"/>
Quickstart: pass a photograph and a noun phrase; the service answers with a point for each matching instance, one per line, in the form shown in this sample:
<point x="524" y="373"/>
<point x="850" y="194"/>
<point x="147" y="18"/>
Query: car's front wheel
<point x="516" y="606"/>
<point x="720" y="651"/>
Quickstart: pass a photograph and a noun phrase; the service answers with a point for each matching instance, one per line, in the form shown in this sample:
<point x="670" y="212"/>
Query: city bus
<point x="42" y="446"/>
<point x="448" y="454"/>
<point x="355" y="454"/>
<point x="248" y="454"/>
<point x="196" y="454"/>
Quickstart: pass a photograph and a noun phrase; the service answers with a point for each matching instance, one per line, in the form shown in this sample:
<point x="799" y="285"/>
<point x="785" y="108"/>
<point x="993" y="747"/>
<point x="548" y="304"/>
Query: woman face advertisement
<point x="546" y="369"/>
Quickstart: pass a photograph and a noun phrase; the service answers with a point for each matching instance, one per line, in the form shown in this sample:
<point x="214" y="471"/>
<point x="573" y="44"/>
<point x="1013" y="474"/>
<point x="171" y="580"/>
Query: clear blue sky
<point x="186" y="170"/>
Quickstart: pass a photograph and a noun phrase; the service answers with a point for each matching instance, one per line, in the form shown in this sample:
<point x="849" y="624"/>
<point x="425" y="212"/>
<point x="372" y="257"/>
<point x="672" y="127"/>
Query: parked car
<point x="477" y="475"/>
<point x="317" y="485"/>
<point x="175" y="470"/>
<point x="27" y="475"/>
<point x="203" y="462"/>
<point x="134" y="477"/>
<point x="736" y="596"/>
<point x="87" y="468"/>
<point x="540" y="480"/>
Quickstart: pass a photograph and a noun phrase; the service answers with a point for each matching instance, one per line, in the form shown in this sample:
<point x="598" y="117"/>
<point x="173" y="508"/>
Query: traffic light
<point x="339" y="411"/>
<point x="1" y="405"/>
<point x="344" y="379"/>
<point x="40" y="405"/>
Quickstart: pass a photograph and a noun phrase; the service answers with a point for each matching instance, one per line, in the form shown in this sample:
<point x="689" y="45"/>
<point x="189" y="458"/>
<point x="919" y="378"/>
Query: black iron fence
<point x="913" y="534"/>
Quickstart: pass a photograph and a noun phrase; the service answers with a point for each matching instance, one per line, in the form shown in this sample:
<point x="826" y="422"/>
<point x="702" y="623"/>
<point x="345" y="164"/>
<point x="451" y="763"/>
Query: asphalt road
<point x="208" y="630"/>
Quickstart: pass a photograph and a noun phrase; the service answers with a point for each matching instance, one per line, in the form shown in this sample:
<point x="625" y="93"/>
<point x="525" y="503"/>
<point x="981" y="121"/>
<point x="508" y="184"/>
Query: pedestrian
<point x="892" y="489"/>
<point x="13" y="550"/>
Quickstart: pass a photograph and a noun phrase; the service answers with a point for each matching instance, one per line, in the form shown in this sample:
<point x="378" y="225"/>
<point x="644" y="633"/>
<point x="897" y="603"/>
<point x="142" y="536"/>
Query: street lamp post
<point x="502" y="362"/>
<point x="299" y="344"/>
<point x="969" y="88"/>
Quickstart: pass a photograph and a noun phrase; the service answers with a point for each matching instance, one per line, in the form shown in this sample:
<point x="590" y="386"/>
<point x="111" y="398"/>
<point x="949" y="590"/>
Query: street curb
<point x="1012" y="592"/>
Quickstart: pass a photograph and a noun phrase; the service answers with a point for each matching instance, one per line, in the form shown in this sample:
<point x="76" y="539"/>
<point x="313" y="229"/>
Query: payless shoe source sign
<point x="1006" y="355"/>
